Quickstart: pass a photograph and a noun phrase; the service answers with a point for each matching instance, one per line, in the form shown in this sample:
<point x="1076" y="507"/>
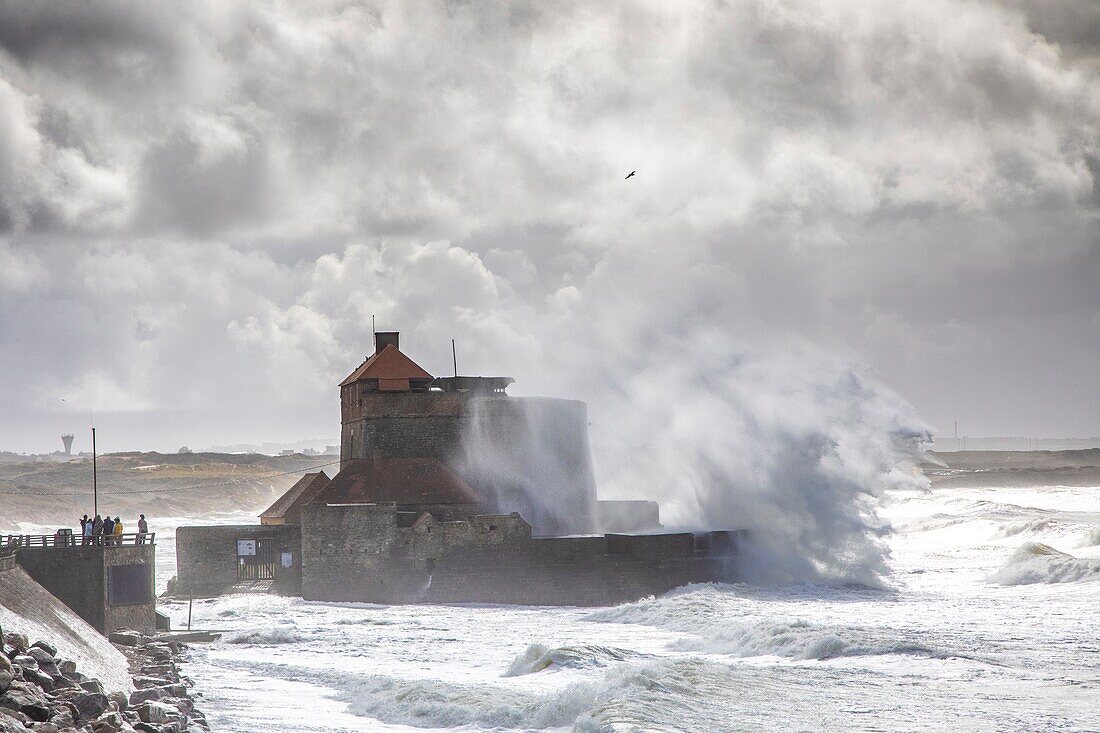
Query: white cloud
<point x="225" y="195"/>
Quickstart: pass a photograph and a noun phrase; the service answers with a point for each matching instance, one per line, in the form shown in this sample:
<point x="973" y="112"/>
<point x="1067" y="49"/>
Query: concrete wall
<point x="27" y="607"/>
<point x="74" y="575"/>
<point x="527" y="454"/>
<point x="77" y="576"/>
<point x="359" y="553"/>
<point x="141" y="617"/>
<point x="206" y="557"/>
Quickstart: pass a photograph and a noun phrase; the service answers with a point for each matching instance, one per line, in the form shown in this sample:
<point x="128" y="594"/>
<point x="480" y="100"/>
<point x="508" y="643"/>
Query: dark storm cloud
<point x="202" y="205"/>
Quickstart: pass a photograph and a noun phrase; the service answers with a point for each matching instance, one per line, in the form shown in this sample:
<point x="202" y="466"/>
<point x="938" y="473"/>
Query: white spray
<point x="792" y="444"/>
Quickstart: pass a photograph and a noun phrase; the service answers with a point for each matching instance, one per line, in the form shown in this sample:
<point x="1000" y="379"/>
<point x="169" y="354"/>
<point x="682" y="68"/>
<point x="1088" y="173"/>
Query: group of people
<point x="100" y="531"/>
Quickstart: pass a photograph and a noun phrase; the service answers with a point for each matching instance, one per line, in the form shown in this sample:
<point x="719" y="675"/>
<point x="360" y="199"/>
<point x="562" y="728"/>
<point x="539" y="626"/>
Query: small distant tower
<point x="67" y="439"/>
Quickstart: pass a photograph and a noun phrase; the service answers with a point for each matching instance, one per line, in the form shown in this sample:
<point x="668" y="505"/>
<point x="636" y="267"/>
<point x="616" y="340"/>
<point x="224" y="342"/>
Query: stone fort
<point x="451" y="490"/>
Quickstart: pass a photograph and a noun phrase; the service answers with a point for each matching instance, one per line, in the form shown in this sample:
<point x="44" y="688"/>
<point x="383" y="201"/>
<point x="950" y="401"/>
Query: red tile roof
<point x="399" y="480"/>
<point x="288" y="505"/>
<point x="389" y="364"/>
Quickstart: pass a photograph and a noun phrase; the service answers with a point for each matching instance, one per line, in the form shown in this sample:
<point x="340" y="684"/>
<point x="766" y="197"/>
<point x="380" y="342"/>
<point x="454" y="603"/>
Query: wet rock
<point x="126" y="638"/>
<point x="25" y="661"/>
<point x="119" y="700"/>
<point x="46" y="663"/>
<point x="36" y="677"/>
<point x="24" y="700"/>
<point x="109" y="723"/>
<point x="91" y="705"/>
<point x="7" y="674"/>
<point x="93" y="686"/>
<point x="37" y="711"/>
<point x="67" y="667"/>
<point x="46" y="727"/>
<point x="137" y="697"/>
<point x="47" y="648"/>
<point x="142" y="681"/>
<point x="175" y="690"/>
<point x="63" y="717"/>
<point x="18" y="641"/>
<point x="158" y="713"/>
<point x="10" y="724"/>
<point x="183" y="704"/>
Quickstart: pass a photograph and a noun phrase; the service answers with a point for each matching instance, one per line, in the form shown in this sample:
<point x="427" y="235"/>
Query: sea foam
<point x="1034" y="562"/>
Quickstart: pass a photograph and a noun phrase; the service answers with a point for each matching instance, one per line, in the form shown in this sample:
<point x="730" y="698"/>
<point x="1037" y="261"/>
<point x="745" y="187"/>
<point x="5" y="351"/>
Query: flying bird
<point x="630" y="174"/>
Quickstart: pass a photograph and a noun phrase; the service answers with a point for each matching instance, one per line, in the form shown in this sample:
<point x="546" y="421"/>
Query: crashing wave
<point x="683" y="609"/>
<point x="1091" y="538"/>
<point x="1033" y="525"/>
<point x="1034" y="562"/>
<point x="276" y="635"/>
<point x="539" y="657"/>
<point x="800" y="640"/>
<point x="657" y="694"/>
<point x="709" y="613"/>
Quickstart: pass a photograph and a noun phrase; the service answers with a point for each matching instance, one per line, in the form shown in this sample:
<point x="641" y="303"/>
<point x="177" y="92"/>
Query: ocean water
<point x="990" y="623"/>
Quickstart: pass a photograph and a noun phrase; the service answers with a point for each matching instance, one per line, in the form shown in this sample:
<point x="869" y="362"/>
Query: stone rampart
<point x="359" y="553"/>
<point x="208" y="563"/>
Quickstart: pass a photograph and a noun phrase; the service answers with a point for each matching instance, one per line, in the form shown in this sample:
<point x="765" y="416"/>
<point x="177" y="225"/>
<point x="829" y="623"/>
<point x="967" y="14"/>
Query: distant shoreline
<point x="1014" y="468"/>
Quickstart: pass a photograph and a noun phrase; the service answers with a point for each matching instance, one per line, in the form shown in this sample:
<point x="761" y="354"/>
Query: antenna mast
<point x="454" y="356"/>
<point x="95" y="479"/>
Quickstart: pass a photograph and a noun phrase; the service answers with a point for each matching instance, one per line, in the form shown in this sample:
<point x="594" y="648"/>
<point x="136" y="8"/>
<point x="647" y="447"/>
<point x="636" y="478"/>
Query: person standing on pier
<point x="97" y="529"/>
<point x="84" y="530"/>
<point x="108" y="530"/>
<point x="143" y="529"/>
<point x="118" y="531"/>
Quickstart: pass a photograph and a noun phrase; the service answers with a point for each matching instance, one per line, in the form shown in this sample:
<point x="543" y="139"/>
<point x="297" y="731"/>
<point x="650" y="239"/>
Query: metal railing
<point x="62" y="540"/>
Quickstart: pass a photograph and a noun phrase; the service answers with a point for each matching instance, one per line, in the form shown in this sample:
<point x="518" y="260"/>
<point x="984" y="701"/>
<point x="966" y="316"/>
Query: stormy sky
<point x="203" y="204"/>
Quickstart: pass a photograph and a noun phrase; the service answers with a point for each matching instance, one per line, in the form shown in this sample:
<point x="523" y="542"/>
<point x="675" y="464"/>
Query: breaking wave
<point x="1034" y="562"/>
<point x="1031" y="526"/>
<point x="712" y="615"/>
<point x="684" y="609"/>
<point x="1090" y="538"/>
<point x="539" y="657"/>
<point x="276" y="635"/>
<point x="664" y="694"/>
<point x="801" y="640"/>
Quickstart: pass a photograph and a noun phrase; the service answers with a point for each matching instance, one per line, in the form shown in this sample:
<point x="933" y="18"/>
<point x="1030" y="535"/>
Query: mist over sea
<point x="986" y="623"/>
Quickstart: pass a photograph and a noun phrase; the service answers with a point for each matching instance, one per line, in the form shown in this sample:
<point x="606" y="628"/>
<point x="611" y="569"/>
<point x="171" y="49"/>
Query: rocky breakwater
<point x="41" y="692"/>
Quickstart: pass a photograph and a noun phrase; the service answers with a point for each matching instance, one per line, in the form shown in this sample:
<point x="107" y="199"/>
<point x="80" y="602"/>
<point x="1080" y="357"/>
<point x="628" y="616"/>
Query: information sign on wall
<point x="246" y="548"/>
<point x="288" y="560"/>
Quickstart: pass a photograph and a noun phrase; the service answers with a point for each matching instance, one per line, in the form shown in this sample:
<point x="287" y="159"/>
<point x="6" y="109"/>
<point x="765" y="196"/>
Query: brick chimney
<point x="384" y="338"/>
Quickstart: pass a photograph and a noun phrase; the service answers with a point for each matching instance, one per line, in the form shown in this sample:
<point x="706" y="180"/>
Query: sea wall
<point x="109" y="587"/>
<point x="359" y="553"/>
<point x="27" y="607"/>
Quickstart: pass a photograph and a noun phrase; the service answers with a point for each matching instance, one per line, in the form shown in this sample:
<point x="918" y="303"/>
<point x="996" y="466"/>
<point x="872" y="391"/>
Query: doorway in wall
<point x="256" y="558"/>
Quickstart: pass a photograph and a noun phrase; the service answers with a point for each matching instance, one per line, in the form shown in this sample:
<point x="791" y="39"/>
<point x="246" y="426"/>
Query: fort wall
<point x="359" y="553"/>
<point x="529" y="454"/>
<point x="208" y="563"/>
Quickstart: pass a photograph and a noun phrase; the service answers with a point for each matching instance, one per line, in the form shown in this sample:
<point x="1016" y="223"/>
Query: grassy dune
<point x="155" y="484"/>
